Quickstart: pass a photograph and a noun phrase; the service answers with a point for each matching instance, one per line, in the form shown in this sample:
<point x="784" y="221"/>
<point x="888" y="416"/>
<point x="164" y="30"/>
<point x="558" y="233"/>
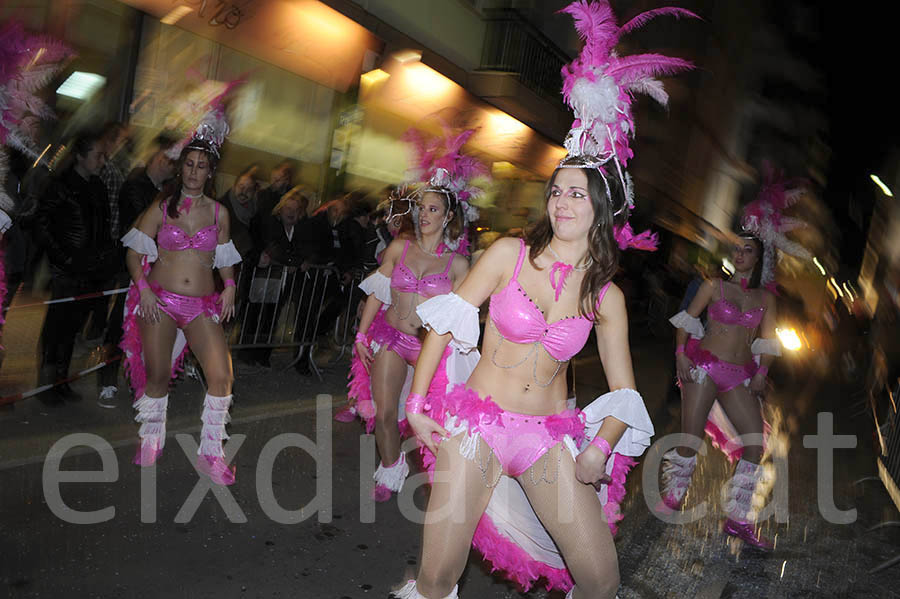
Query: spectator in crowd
<point x="280" y="182"/>
<point x="117" y="147"/>
<point x="143" y="183"/>
<point x="242" y="203"/>
<point x="73" y="226"/>
<point x="137" y="193"/>
<point x="286" y="250"/>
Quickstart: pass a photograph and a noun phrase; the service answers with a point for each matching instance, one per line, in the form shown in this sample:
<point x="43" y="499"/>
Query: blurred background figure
<point x="242" y="202"/>
<point x="138" y="191"/>
<point x="73" y="226"/>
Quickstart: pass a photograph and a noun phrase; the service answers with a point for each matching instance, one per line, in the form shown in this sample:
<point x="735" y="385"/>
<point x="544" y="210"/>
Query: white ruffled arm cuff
<point x="226" y="255"/>
<point x="451" y="314"/>
<point x="5" y="222"/>
<point x="692" y="325"/>
<point x="141" y="243"/>
<point x="626" y="405"/>
<point x="766" y="346"/>
<point x="379" y="285"/>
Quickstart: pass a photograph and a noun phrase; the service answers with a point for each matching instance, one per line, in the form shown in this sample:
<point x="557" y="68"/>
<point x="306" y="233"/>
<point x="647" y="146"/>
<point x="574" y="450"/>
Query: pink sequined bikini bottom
<point x="518" y="440"/>
<point x="387" y="337"/>
<point x="725" y="375"/>
<point x="185" y="308"/>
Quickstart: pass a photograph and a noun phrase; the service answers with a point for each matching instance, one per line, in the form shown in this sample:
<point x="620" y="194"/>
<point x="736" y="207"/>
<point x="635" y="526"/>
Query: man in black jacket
<point x="73" y="226"/>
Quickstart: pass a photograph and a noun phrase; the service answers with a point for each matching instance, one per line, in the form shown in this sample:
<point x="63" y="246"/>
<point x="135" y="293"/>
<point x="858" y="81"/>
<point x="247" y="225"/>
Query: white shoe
<point x="108" y="397"/>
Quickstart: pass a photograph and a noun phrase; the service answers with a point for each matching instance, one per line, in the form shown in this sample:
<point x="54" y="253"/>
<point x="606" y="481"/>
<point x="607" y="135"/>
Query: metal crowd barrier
<point x="279" y="306"/>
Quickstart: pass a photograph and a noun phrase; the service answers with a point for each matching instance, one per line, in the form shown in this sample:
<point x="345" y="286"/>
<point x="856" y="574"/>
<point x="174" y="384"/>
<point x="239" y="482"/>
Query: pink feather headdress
<point x="599" y="86"/>
<point x="212" y="128"/>
<point x="764" y="219"/>
<point x="27" y="63"/>
<point x="440" y="166"/>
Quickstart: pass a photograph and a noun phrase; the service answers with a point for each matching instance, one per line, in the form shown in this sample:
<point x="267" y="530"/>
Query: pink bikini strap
<point x="403" y="255"/>
<point x="449" y="264"/>
<point x="602" y="294"/>
<point x="521" y="259"/>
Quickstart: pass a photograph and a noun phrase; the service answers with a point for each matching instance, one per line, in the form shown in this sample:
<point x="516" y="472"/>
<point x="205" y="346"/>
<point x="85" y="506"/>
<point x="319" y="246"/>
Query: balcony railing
<point x="514" y="45"/>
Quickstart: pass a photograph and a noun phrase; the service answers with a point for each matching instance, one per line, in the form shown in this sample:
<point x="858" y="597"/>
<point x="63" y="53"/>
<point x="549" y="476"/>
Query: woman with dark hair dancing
<point x="173" y="302"/>
<point x="729" y="362"/>
<point x="516" y="473"/>
<point x="387" y="342"/>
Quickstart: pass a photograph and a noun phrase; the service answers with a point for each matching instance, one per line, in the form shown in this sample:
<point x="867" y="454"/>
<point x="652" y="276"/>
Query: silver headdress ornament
<point x="441" y="167"/>
<point x="763" y="218"/>
<point x="212" y="129"/>
<point x="599" y="86"/>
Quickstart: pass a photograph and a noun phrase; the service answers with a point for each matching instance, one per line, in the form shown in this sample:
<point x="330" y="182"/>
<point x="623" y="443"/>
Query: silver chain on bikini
<point x="484" y="465"/>
<point x="533" y="350"/>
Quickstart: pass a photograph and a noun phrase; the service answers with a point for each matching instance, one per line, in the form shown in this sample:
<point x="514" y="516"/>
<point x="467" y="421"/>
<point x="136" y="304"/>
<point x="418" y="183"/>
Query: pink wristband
<point x="763" y="370"/>
<point x="416" y="404"/>
<point x="142" y="284"/>
<point x="601" y="444"/>
<point x="229" y="283"/>
<point x="679" y="349"/>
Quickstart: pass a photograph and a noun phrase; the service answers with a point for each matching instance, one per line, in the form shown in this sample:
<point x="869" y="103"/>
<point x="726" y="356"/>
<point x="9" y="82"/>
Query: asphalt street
<point x="300" y="526"/>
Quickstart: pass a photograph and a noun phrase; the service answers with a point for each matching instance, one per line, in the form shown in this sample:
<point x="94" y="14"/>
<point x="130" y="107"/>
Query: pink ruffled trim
<point x="514" y="561"/>
<point x="132" y="346"/>
<point x="615" y="490"/>
<point x="731" y="448"/>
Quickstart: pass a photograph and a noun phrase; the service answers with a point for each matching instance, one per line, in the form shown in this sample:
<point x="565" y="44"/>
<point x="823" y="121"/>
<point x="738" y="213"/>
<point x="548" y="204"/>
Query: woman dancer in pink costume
<point x="176" y="300"/>
<point x="729" y="362"/>
<point x="510" y="456"/>
<point x="387" y="342"/>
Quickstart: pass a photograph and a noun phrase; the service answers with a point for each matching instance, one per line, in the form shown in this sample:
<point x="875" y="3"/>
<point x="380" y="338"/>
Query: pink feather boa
<point x="359" y="389"/>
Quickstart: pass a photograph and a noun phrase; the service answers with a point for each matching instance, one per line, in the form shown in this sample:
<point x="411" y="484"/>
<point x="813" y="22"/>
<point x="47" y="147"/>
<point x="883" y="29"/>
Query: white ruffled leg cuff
<point x="215" y="416"/>
<point x="409" y="591"/>
<point x="393" y="476"/>
<point x="151" y="413"/>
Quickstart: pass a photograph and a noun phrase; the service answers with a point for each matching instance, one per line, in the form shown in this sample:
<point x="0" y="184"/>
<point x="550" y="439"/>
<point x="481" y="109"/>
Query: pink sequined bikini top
<point x="174" y="239"/>
<point x="727" y="313"/>
<point x="518" y="319"/>
<point x="403" y="279"/>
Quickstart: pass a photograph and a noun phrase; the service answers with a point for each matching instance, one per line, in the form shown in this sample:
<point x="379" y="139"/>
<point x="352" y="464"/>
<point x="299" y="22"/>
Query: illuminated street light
<point x="820" y="267"/>
<point x="880" y="183"/>
<point x="837" y="287"/>
<point x="81" y="85"/>
<point x="789" y="338"/>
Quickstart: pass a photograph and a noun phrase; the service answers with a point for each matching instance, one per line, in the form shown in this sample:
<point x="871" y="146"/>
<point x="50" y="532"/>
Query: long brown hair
<point x="170" y="195"/>
<point x="602" y="246"/>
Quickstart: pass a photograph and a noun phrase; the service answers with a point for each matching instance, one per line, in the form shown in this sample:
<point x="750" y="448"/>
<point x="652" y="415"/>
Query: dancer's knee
<point x="386" y="417"/>
<point x="219" y="379"/>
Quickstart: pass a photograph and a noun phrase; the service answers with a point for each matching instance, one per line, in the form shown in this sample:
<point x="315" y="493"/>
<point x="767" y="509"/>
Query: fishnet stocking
<point x="458" y="498"/>
<point x="572" y="514"/>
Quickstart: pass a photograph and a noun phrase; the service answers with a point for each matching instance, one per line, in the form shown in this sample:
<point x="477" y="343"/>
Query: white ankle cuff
<point x="393" y="476"/>
<point x="409" y="591"/>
